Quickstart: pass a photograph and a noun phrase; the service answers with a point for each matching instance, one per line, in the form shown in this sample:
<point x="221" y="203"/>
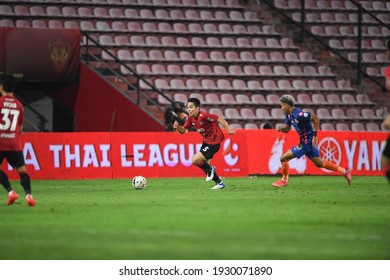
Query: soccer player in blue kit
<point x="301" y="121"/>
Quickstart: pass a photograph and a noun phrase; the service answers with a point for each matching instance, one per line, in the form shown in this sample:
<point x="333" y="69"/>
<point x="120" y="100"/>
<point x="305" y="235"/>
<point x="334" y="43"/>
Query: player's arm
<point x="179" y="128"/>
<point x="316" y="125"/>
<point x="225" y="125"/>
<point x="285" y="129"/>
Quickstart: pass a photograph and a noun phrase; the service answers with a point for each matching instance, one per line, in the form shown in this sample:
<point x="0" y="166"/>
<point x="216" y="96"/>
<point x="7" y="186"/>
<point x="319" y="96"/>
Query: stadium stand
<point x="228" y="56"/>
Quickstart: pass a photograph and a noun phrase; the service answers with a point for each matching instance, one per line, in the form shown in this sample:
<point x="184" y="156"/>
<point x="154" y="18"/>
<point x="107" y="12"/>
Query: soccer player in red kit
<point x="11" y="126"/>
<point x="208" y="126"/>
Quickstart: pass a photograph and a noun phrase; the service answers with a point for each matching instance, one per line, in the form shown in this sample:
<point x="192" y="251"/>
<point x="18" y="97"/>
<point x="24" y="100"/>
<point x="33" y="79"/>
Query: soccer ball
<point x="139" y="182"/>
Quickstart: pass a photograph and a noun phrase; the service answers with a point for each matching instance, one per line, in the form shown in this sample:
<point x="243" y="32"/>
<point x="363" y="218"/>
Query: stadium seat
<point x="225" y="28"/>
<point x="368" y="114"/>
<point x="6" y="23"/>
<point x="363" y="99"/>
<point x="371" y="126"/>
<point x="333" y="99"/>
<point x="353" y="113"/>
<point x="243" y="99"/>
<point x="348" y="99"/>
<point x="216" y="111"/>
<point x="263" y="114"/>
<point x="239" y="85"/>
<point x="161" y="84"/>
<point x="224" y="84"/>
<point x="193" y="84"/>
<point x="314" y="85"/>
<point x="205" y="70"/>
<point x="143" y="69"/>
<point x="162" y="100"/>
<point x="254" y="85"/>
<point x="276" y="113"/>
<point x="318" y="99"/>
<point x="231" y="56"/>
<point x="116" y="13"/>
<point x="304" y="99"/>
<point x="187" y="56"/>
<point x="246" y="56"/>
<point x="208" y="84"/>
<point x="250" y="70"/>
<point x="174" y="69"/>
<point x="69" y="12"/>
<point x="102" y="26"/>
<point x="266" y="70"/>
<point x="342" y="127"/>
<point x="212" y="98"/>
<point x="247" y="114"/>
<point x="272" y="99"/>
<point x="6" y="10"/>
<point x="106" y="40"/>
<point x="164" y="27"/>
<point x="250" y="126"/>
<point x="269" y="85"/>
<point x="177" y="84"/>
<point x="180" y="97"/>
<point x="258" y="99"/>
<point x="161" y="14"/>
<point x="38" y="23"/>
<point x="338" y="114"/>
<point x="146" y="13"/>
<point x="280" y="70"/>
<point x="284" y="85"/>
<point x="235" y="70"/>
<point x="227" y="98"/>
<point x="37" y="11"/>
<point x="299" y="85"/>
<point x="324" y="114"/>
<point x="158" y="69"/>
<point x="327" y="126"/>
<point x="21" y="11"/>
<point x="155" y="55"/>
<point x="357" y="127"/>
<point x="168" y="41"/>
<point x="220" y="70"/>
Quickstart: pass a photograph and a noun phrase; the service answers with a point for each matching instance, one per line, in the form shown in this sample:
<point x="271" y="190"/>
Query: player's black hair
<point x="288" y="99"/>
<point x="8" y="82"/>
<point x="194" y="100"/>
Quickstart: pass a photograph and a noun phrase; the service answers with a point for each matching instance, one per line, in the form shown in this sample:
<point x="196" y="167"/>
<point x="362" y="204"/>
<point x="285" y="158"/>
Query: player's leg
<point x="16" y="159"/>
<point x="200" y="161"/>
<point x="322" y="163"/>
<point x="25" y="181"/>
<point x="4" y="181"/>
<point x="284" y="159"/>
<point x="209" y="154"/>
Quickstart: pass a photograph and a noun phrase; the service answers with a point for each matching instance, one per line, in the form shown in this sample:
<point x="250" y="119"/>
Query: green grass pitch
<point x="316" y="217"/>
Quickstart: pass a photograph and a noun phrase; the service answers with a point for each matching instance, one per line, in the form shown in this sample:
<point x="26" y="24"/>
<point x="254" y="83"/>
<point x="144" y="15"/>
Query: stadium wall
<point x="99" y="107"/>
<point x="168" y="154"/>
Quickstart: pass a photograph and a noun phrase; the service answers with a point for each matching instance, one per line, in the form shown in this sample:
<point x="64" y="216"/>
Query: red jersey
<point x="11" y="117"/>
<point x="207" y="125"/>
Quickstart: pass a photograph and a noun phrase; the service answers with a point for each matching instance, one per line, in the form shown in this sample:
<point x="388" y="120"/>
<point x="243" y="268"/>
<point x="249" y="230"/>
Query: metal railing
<point x="305" y="32"/>
<point x="89" y="56"/>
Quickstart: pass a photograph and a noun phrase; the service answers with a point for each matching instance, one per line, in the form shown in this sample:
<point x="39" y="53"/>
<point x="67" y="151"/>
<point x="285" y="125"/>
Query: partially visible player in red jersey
<point x="208" y="126"/>
<point x="11" y="126"/>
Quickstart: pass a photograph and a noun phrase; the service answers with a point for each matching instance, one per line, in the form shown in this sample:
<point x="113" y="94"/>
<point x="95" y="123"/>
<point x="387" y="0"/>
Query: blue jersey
<point x="301" y="122"/>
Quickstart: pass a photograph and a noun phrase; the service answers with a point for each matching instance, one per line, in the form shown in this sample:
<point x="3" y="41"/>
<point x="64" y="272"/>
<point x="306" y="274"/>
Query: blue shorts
<point x="305" y="150"/>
